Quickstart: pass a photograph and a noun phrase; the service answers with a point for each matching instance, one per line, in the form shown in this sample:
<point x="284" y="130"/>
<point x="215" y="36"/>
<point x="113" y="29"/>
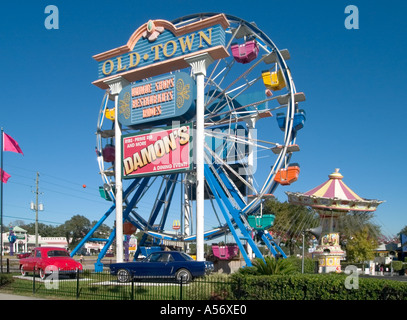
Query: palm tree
<point x="273" y="266"/>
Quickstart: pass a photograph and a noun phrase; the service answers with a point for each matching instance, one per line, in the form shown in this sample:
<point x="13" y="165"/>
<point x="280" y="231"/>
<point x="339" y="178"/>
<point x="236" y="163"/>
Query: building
<point x="26" y="242"/>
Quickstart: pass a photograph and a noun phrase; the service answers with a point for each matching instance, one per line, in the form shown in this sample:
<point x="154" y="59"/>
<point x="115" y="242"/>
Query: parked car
<point x="162" y="264"/>
<point x="23" y="255"/>
<point x="46" y="260"/>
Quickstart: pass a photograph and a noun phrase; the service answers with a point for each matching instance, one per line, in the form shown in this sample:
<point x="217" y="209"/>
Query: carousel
<point x="330" y="200"/>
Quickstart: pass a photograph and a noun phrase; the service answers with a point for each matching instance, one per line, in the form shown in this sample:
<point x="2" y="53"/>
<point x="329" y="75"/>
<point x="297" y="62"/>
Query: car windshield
<point x="57" y="253"/>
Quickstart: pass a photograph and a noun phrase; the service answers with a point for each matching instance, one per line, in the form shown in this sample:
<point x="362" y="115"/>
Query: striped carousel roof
<point x="333" y="194"/>
<point x="334" y="188"/>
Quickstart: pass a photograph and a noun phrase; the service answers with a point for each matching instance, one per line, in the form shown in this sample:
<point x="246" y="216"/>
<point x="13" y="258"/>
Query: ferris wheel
<point x="252" y="118"/>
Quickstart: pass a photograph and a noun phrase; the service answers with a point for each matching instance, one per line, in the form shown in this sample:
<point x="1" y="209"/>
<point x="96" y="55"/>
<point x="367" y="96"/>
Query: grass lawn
<point x="95" y="286"/>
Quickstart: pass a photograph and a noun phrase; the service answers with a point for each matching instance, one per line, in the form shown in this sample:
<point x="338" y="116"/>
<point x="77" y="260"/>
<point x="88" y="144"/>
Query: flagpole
<point x="1" y="205"/>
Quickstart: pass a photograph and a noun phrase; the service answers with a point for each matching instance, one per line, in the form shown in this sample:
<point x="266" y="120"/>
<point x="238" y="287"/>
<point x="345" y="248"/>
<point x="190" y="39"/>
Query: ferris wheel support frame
<point x="165" y="198"/>
<point x="88" y="236"/>
<point x="223" y="201"/>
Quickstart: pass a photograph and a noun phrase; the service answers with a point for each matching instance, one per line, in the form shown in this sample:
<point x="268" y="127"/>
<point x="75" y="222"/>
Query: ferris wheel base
<point x="98" y="266"/>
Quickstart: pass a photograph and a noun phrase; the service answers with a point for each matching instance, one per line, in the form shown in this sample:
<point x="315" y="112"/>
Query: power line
<point x="32" y="219"/>
<point x="60" y="192"/>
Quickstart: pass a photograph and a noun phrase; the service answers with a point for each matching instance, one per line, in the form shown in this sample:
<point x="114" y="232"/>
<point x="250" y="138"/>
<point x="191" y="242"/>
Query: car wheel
<point x="23" y="272"/>
<point x="184" y="275"/>
<point x="123" y="275"/>
<point x="42" y="274"/>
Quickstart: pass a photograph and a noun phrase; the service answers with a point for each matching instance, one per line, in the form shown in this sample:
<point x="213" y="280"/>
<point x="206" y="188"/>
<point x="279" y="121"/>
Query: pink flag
<point x="9" y="144"/>
<point x="4" y="175"/>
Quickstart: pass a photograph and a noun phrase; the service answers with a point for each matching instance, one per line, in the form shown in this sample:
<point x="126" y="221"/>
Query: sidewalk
<point x="6" y="296"/>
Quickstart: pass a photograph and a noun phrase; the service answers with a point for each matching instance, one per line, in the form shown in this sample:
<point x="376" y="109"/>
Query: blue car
<point x="162" y="264"/>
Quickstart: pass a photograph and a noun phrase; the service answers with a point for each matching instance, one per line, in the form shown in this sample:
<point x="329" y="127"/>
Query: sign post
<point x="116" y="84"/>
<point x="199" y="64"/>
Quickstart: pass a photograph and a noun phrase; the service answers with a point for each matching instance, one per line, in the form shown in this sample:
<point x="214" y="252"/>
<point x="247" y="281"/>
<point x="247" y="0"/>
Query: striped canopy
<point x="334" y="188"/>
<point x="333" y="195"/>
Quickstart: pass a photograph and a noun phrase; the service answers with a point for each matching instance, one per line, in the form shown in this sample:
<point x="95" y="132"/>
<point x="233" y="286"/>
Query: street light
<point x="316" y="232"/>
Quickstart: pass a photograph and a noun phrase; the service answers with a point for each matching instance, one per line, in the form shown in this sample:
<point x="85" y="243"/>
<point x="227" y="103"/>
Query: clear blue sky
<point x="354" y="81"/>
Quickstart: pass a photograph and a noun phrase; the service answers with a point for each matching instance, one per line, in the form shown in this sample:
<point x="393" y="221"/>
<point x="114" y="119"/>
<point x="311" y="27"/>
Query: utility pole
<point x="36" y="210"/>
<point x="35" y="207"/>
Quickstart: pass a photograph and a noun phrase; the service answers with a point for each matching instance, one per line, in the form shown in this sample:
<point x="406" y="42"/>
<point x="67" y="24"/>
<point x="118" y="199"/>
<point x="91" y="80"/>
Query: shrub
<point x="309" y="264"/>
<point x="314" y="287"/>
<point x="5" y="279"/>
<point x="397" y="265"/>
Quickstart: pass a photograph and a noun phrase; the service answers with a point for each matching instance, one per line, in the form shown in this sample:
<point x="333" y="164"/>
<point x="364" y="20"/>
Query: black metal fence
<point x="90" y="285"/>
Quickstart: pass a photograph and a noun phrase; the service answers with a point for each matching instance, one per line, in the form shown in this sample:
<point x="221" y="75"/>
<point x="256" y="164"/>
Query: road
<point x="386" y="277"/>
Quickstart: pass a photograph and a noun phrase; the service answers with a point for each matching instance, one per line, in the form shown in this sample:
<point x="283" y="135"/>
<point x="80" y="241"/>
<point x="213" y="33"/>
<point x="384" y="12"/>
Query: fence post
<point x="8" y="265"/>
<point x="132" y="288"/>
<point x="35" y="267"/>
<point x="77" y="283"/>
<point x="180" y="288"/>
<point x="239" y="287"/>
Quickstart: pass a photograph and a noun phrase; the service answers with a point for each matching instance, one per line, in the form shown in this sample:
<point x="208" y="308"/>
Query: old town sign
<point x="158" y="47"/>
<point x="157" y="100"/>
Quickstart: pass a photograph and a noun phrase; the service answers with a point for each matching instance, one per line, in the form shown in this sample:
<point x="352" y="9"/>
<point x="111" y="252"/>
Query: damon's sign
<point x="157" y="100"/>
<point x="158" y="47"/>
<point x="157" y="152"/>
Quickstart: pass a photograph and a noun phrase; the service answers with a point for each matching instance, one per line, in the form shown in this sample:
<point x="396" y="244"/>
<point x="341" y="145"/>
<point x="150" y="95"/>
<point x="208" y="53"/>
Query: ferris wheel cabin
<point x="245" y="53"/>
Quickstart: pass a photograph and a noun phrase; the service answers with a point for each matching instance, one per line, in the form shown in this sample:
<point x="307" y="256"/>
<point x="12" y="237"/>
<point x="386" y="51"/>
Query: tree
<point x="360" y="247"/>
<point x="75" y="230"/>
<point x="43" y="229"/>
<point x="353" y="222"/>
<point x="18" y="222"/>
<point x="403" y="231"/>
<point x="290" y="221"/>
<point x="103" y="231"/>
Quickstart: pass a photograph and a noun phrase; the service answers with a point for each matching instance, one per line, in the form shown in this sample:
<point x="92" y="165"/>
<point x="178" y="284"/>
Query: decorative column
<point x="329" y="251"/>
<point x="199" y="63"/>
<point x="116" y="85"/>
<point x="251" y="125"/>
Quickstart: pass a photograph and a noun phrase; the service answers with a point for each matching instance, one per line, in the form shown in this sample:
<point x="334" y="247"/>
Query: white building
<point x="26" y="242"/>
